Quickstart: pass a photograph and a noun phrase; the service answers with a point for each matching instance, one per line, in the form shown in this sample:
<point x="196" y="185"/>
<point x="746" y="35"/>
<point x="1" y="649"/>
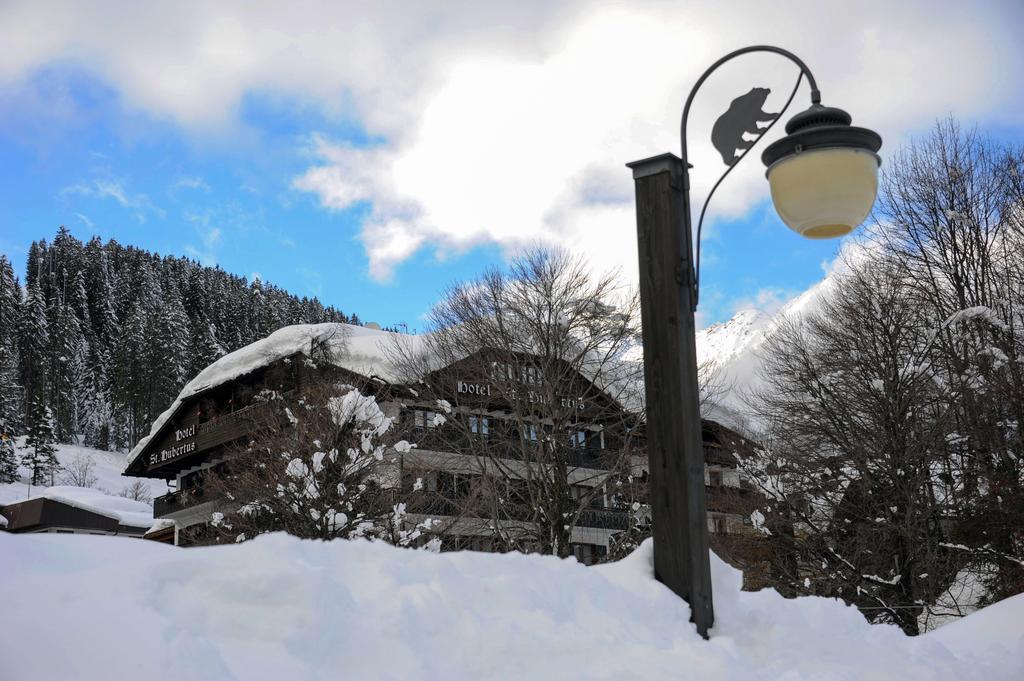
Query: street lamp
<point x="823" y="177"/>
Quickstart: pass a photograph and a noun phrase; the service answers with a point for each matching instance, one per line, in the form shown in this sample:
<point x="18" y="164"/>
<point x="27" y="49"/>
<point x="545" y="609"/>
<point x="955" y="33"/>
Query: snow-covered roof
<point x="356" y="348"/>
<point x="160" y="524"/>
<point x="369" y="353"/>
<point x="125" y="511"/>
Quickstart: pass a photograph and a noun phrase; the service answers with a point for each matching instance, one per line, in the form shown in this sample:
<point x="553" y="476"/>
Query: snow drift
<point x="277" y="607"/>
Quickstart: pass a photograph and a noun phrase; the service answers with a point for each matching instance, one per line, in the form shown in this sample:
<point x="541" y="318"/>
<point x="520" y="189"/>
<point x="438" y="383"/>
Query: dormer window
<point x="502" y="371"/>
<point x="531" y="375"/>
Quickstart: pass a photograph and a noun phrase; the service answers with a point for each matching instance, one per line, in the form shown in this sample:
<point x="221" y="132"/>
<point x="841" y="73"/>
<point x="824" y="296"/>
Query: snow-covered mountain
<point x="719" y="344"/>
<point x="731" y="351"/>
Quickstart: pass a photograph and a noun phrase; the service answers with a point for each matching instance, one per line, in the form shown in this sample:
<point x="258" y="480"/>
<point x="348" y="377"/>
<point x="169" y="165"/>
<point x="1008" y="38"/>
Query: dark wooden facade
<point x="205" y="426"/>
<point x="52" y="515"/>
<point x="211" y="419"/>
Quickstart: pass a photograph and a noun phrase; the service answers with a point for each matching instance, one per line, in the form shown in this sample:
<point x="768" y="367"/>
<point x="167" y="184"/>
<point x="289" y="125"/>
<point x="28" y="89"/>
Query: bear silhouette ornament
<point x="746" y="114"/>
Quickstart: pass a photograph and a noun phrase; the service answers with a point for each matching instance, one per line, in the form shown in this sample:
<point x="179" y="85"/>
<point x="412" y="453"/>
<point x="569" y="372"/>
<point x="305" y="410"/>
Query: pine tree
<point x="205" y="348"/>
<point x="10" y="312"/>
<point x="65" y="338"/>
<point x="34" y="263"/>
<point x="101" y="320"/>
<point x="34" y="340"/>
<point x="98" y="424"/>
<point x="10" y="389"/>
<point x="131" y="383"/>
<point x="10" y="300"/>
<point x="78" y="300"/>
<point x="40" y="456"/>
<point x="169" y="350"/>
<point x="8" y="459"/>
<point x="81" y="386"/>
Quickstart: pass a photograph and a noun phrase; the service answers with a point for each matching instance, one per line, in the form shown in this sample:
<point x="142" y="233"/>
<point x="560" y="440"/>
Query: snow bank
<point x="281" y="608"/>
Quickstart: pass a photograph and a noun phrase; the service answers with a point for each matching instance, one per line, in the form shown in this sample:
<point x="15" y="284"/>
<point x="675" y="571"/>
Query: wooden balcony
<point x="433" y="504"/>
<point x="470" y="445"/>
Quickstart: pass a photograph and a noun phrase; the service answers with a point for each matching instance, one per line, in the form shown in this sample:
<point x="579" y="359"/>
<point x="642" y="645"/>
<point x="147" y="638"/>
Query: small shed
<point x="75" y="510"/>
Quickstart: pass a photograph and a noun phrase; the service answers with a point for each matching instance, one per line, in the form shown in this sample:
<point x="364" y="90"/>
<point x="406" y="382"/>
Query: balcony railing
<point x="446" y="439"/>
<point x="470" y="445"/>
<point x="173" y="502"/>
<point x="433" y="504"/>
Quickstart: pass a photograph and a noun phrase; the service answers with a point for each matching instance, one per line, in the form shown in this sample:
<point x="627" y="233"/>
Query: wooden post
<point x="674" y="442"/>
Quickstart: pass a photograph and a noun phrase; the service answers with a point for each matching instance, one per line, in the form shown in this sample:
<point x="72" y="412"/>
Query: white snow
<point x="160" y="524"/>
<point x="732" y="351"/>
<point x="359" y="349"/>
<point x="125" y="511"/>
<point x="362" y="350"/>
<point x="107" y="471"/>
<point x="282" y="608"/>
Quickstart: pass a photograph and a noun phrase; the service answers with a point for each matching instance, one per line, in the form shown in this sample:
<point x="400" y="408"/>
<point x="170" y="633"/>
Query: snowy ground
<point x="107" y="471"/>
<point x="281" y="608"/>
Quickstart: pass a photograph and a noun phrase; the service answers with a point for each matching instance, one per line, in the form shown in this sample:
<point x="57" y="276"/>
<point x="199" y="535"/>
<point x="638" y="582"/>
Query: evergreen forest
<point x="99" y="338"/>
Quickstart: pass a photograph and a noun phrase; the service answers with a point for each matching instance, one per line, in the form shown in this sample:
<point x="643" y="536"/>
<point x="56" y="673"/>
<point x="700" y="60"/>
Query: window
<point x="718" y="525"/>
<point x="578" y="438"/>
<point x="530" y="432"/>
<point x="588" y="554"/>
<point x="454" y="486"/>
<point x="423" y="418"/>
<point x="531" y="375"/>
<point x="480" y="425"/>
<point x="501" y="371"/>
<point x="715" y="478"/>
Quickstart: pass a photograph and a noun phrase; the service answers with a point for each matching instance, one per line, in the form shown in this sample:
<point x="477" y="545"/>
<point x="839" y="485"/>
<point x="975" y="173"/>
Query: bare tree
<point x="79" y="472"/>
<point x="857" y="429"/>
<point x="547" y="399"/>
<point x="315" y="467"/>
<point x="891" y="454"/>
<point x="952" y="212"/>
<point x="137" y="491"/>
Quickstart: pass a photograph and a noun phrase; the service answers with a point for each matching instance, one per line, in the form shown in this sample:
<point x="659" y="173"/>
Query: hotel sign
<point x="465" y="388"/>
<point x="533" y="397"/>
<point x="184" y="443"/>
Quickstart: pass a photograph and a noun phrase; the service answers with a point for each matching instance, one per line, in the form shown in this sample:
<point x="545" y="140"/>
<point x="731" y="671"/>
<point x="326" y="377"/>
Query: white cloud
<point x="209" y="236"/>
<point x="313" y="280"/>
<point x="139" y="204"/>
<point x="507" y="123"/>
<point x="85" y="220"/>
<point x="197" y="183"/>
<point x="769" y="300"/>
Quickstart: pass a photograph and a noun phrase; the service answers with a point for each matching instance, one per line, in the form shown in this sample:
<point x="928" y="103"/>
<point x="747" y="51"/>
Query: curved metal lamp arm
<point x="815" y="99"/>
<point x="815" y="93"/>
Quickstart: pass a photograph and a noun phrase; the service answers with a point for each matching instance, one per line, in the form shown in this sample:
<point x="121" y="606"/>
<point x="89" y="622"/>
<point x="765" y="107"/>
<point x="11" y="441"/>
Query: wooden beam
<point x="674" y="446"/>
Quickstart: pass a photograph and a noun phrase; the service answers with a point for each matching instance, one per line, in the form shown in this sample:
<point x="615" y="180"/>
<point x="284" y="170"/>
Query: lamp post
<point x="823" y="176"/>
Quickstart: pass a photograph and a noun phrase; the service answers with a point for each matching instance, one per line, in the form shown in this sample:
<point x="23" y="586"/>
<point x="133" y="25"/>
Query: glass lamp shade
<point x="824" y="193"/>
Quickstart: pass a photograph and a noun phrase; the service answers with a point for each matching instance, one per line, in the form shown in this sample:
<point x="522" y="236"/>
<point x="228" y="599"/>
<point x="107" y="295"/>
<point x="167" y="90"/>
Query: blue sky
<point x="372" y="155"/>
<point x="225" y="200"/>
